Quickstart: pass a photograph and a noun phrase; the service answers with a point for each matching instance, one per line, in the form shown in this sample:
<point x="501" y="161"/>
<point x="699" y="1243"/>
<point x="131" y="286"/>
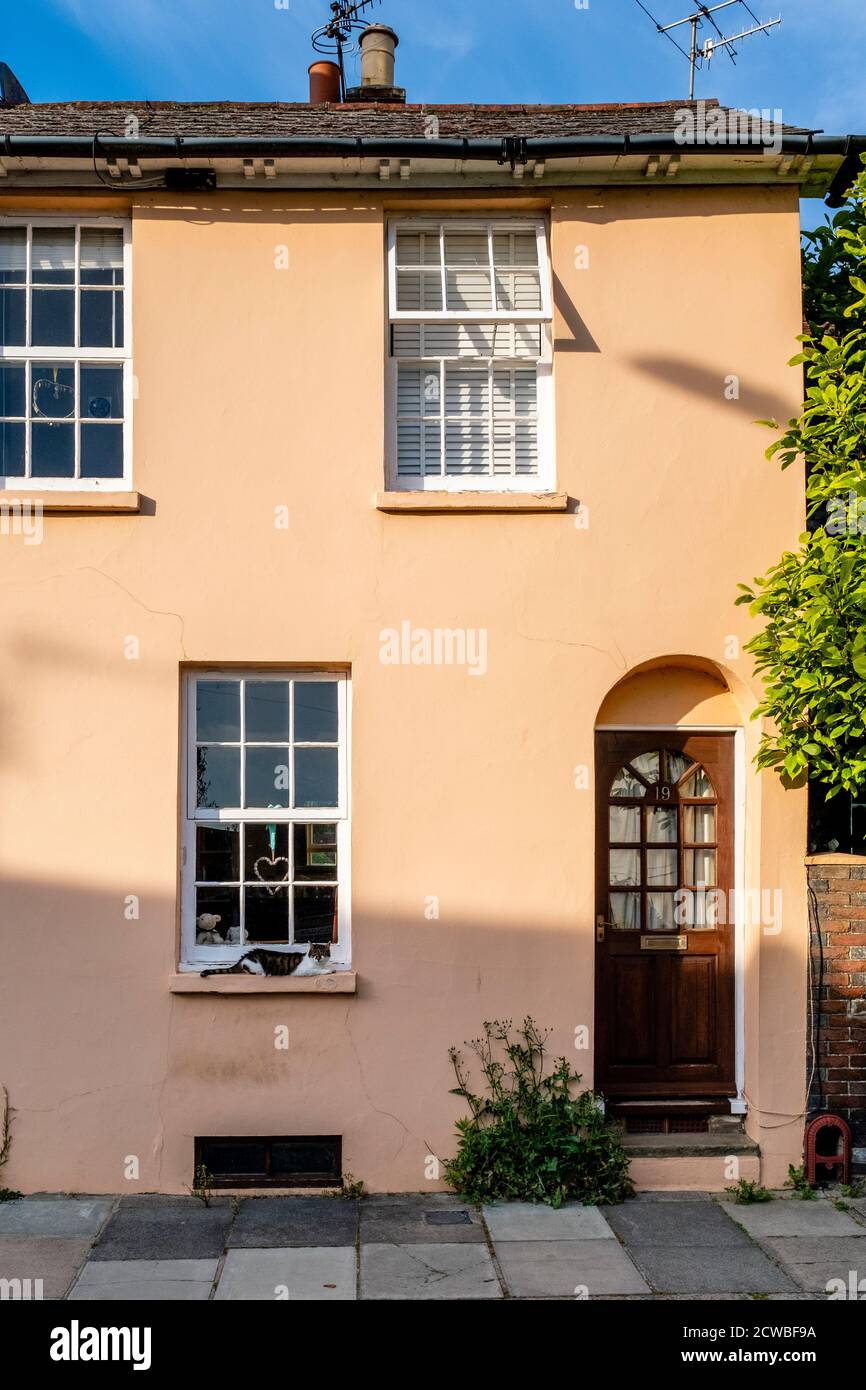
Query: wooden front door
<point x="664" y="915"/>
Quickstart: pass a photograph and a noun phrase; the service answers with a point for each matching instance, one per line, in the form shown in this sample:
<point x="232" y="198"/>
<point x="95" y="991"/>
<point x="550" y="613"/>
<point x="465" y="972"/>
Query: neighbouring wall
<point x="837" y="1064"/>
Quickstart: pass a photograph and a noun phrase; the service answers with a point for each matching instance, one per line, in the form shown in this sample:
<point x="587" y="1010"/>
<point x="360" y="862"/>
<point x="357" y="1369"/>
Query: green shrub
<point x="528" y="1139"/>
<point x="746" y="1193"/>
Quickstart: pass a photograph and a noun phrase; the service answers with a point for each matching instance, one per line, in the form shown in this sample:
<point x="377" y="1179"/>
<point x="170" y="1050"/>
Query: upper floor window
<point x="65" y="365"/>
<point x="471" y="398"/>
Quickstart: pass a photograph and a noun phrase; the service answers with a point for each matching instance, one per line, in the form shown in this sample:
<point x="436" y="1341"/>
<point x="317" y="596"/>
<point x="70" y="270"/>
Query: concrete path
<point x="659" y="1246"/>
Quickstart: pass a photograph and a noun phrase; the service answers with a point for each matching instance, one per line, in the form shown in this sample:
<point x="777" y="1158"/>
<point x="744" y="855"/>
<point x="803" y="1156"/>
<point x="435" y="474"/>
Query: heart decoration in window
<point x="270" y="880"/>
<point x="52" y="399"/>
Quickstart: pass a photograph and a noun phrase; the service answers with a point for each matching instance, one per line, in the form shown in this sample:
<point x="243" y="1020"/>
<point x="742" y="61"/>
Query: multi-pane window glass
<point x="662" y="834"/>
<point x="62" y="352"/>
<point x="469" y="335"/>
<point x="267" y="800"/>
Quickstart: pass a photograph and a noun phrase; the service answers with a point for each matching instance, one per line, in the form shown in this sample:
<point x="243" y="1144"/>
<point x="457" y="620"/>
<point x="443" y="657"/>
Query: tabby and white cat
<point x="261" y="962"/>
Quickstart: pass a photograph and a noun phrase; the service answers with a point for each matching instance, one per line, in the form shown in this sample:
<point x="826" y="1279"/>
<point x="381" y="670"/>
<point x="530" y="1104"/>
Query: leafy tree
<point x="812" y="649"/>
<point x="828" y="265"/>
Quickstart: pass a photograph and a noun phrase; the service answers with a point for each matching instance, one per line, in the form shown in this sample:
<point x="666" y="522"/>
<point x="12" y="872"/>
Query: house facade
<point x="377" y="480"/>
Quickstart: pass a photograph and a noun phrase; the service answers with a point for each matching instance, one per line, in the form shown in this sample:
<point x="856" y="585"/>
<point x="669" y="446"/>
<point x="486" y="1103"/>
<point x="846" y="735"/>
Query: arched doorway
<point x="665" y="980"/>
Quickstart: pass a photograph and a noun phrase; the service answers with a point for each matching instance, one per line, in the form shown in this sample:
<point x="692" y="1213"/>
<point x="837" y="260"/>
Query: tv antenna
<point x="336" y="36"/>
<point x="698" y="54"/>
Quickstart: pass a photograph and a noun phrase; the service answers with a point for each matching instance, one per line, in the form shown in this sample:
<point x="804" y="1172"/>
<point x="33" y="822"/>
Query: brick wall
<point x="838" y="890"/>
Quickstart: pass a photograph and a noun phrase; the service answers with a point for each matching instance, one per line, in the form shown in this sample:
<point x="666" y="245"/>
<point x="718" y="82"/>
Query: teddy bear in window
<point x="207" y="930"/>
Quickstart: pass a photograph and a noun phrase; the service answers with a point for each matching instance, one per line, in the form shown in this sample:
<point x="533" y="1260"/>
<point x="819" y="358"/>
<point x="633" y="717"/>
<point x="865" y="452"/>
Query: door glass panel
<point x="660" y="911"/>
<point x="699" y="825"/>
<point x="625" y="911"/>
<point x="661" y="867"/>
<point x="626" y="784"/>
<point x="699" y="867"/>
<point x="624" y="867"/>
<point x="661" y="825"/>
<point x="697" y="785"/>
<point x="647" y="764"/>
<point x="700" y="910"/>
<point x="625" y="825"/>
<point x="675" y="765"/>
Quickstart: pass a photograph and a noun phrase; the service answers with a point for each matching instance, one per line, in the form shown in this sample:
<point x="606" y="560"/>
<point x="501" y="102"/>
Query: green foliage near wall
<point x="812" y="648"/>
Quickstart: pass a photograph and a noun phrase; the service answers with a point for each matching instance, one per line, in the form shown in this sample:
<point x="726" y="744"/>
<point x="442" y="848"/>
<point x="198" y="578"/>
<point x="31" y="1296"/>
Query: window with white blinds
<point x="65" y="363"/>
<point x="470" y="355"/>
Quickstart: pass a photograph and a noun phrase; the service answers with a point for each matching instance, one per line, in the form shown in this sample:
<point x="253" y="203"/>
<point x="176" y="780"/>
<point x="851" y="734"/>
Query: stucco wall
<point x="259" y="387"/>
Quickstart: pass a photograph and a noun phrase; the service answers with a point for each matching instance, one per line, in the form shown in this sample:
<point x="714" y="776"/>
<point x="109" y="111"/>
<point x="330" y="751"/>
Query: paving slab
<point x="814" y="1260"/>
<point x="568" y="1268"/>
<point x="704" y="1269"/>
<point x="145" y="1281"/>
<point x="671" y="1197"/>
<point x="385" y="1221"/>
<point x="64" y="1218"/>
<point x="55" y="1261"/>
<point x="165" y="1228"/>
<point x="535" y="1221"/>
<point x="315" y="1274"/>
<point x="791" y="1217"/>
<point x="433" y="1271"/>
<point x="284" y="1222"/>
<point x="700" y="1224"/>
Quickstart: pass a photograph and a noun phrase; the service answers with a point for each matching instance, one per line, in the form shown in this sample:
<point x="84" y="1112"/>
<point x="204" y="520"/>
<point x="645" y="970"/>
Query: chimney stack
<point x="378" y="44"/>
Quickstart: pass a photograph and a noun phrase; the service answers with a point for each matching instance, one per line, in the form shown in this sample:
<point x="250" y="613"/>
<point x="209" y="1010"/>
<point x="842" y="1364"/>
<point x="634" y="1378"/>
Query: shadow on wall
<point x="710" y="383"/>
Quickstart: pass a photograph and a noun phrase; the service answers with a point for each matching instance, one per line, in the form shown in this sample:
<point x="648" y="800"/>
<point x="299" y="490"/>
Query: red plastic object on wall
<point x="828" y="1149"/>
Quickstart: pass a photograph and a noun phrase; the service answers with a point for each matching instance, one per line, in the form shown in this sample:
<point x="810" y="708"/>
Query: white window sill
<point x="341" y="982"/>
<point x="68" y="503"/>
<point x="397" y="502"/>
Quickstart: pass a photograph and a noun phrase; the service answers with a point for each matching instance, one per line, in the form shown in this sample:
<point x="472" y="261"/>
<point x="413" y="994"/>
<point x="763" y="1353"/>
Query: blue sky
<point x="811" y="68"/>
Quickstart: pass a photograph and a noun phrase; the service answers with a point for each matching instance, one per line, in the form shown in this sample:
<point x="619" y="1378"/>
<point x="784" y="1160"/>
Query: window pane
<point x="647" y="764"/>
<point x="315" y="852"/>
<point x="515" y="248"/>
<point x="315" y="777"/>
<point x="699" y="824"/>
<point x="53" y="256"/>
<point x="219" y="777"/>
<point x="266" y="854"/>
<point x="626" y="784"/>
<point x="218" y="711"/>
<point x="53" y="450"/>
<point x="661" y="867"/>
<point x="661" y="825"/>
<point x="52" y="318"/>
<point x="53" y="391"/>
<point x="267" y="711"/>
<point x="13" y="255"/>
<point x="699" y="867"/>
<point x="267" y="915"/>
<point x="101" y="256"/>
<point x="13" y="391"/>
<point x="468" y="290"/>
<point x="102" y="451"/>
<point x="218" y="902"/>
<point x="101" y="391"/>
<point x="625" y="911"/>
<point x="217" y="854"/>
<point x="316" y="714"/>
<point x="624" y="867"/>
<point x="101" y="317"/>
<point x="466" y="248"/>
<point x="315" y="915"/>
<point x="12" y="325"/>
<point x="660" y="911"/>
<point x="697" y="785"/>
<point x="625" y="824"/>
<point x="419" y="290"/>
<point x="11" y="450"/>
<point x="267" y="777"/>
<point x="700" y="911"/>
<point x="518" y="290"/>
<point x="675" y="765"/>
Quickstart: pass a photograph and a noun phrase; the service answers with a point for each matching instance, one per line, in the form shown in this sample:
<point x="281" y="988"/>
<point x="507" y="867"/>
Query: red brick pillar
<point x="837" y="884"/>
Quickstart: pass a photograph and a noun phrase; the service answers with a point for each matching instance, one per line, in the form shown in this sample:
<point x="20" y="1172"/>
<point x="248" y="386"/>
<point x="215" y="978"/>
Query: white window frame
<point x="75" y="356"/>
<point x="193" y="956"/>
<point x="544" y="479"/>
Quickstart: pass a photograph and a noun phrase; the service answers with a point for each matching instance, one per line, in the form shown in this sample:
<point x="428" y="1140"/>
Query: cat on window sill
<point x="317" y="961"/>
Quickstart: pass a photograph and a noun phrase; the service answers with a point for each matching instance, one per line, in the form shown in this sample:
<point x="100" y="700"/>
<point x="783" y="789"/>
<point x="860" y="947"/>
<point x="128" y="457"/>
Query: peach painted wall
<point x="259" y="387"/>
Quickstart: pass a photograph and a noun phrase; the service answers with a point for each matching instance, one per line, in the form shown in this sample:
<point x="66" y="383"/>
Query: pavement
<point x="682" y="1245"/>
